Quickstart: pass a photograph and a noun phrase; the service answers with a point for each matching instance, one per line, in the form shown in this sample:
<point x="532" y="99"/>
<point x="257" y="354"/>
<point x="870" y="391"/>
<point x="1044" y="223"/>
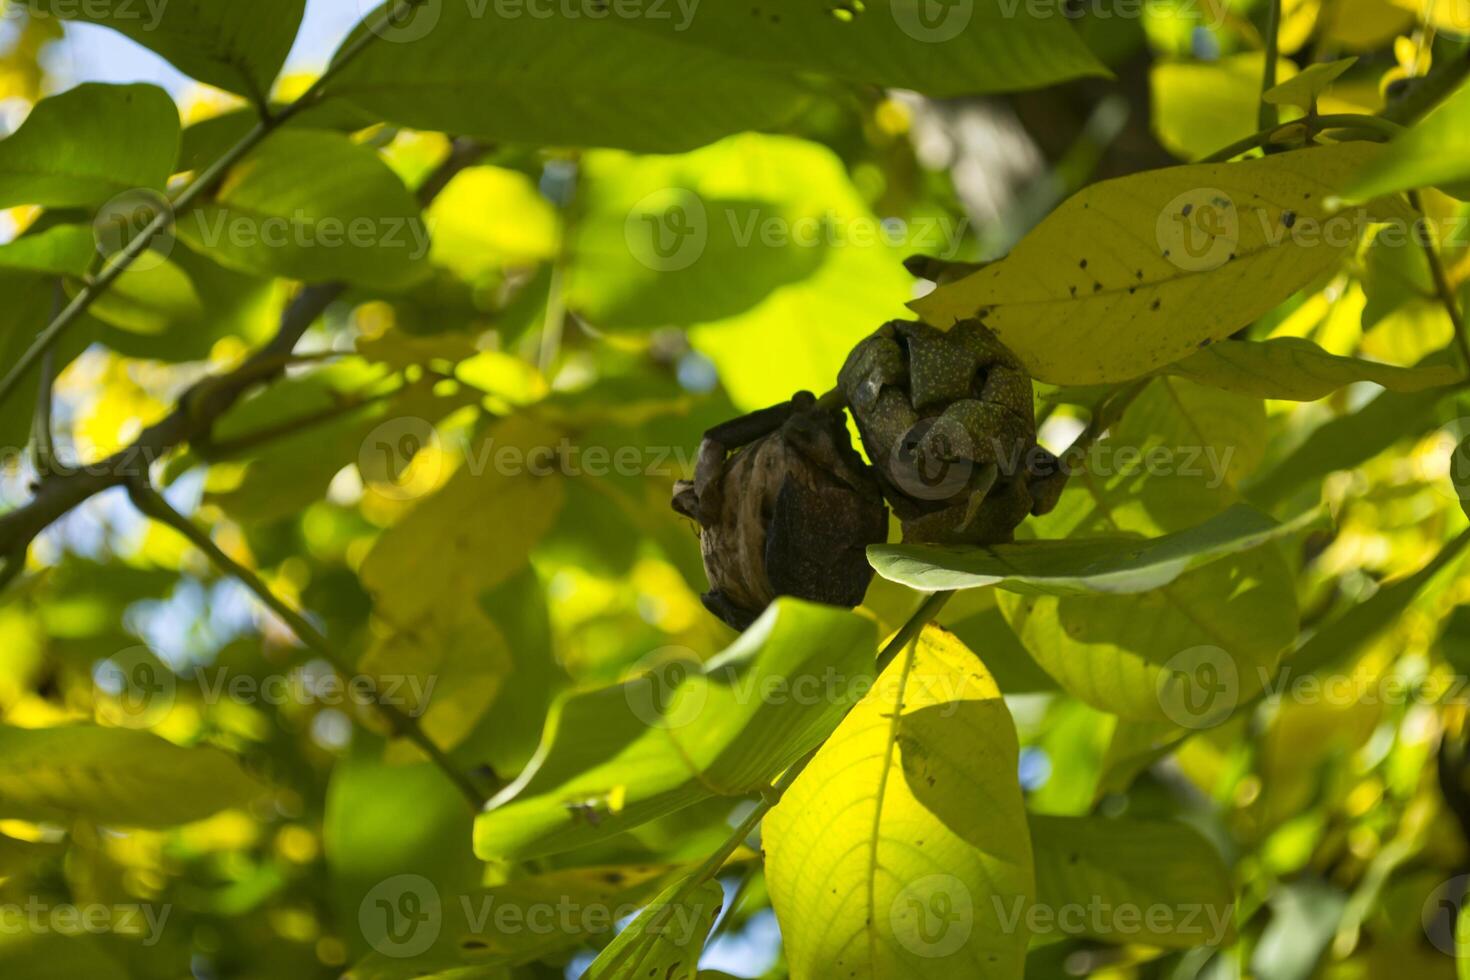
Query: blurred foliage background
<point x="536" y="323"/>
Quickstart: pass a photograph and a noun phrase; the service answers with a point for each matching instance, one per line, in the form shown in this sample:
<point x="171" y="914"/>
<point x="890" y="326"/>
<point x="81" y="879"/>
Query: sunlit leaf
<point x="89" y="145"/>
<point x="902" y="849"/>
<point x="115" y="776"/>
<point x="1083" y="566"/>
<point x="615" y="757"/>
<point x="313" y="206"/>
<point x="1302" y="91"/>
<point x="1434" y="151"/>
<point x="666" y="939"/>
<point x="1161" y="883"/>
<point x="959" y="49"/>
<point x="474" y="532"/>
<point x="559" y="81"/>
<point x="239" y="48"/>
<point x="1200" y="106"/>
<point x="1191" y="255"/>
<point x="1298" y="370"/>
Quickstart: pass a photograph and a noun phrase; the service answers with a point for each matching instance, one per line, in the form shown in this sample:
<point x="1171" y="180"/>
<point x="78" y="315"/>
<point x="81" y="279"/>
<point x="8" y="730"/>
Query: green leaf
<point x="88" y="145"/>
<point x="1158" y="883"/>
<point x="1303" y="90"/>
<point x="1135" y="273"/>
<point x="286" y="474"/>
<point x="666" y="939"/>
<point x="1199" y="106"/>
<point x="558" y="81"/>
<point x="115" y="776"/>
<point x="616" y="757"/>
<point x="313" y="206"/>
<point x="1460" y="474"/>
<point x="30" y="302"/>
<point x="61" y="249"/>
<point x="656" y="237"/>
<point x="1298" y="370"/>
<point x="902" y="849"/>
<point x="237" y="47"/>
<point x="1462" y="943"/>
<point x="1221" y="628"/>
<point x="474" y="532"/>
<point x="151" y="297"/>
<point x="1084" y="566"/>
<point x="482" y="931"/>
<point x="1346" y="441"/>
<point x="445" y="670"/>
<point x="968" y="48"/>
<point x="1169" y="465"/>
<point x="1435" y="151"/>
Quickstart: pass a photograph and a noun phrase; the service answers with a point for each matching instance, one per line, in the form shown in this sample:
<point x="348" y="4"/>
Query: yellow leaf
<point x="476" y="531"/>
<point x="902" y="850"/>
<point x="1200" y="106"/>
<point x="1135" y="273"/>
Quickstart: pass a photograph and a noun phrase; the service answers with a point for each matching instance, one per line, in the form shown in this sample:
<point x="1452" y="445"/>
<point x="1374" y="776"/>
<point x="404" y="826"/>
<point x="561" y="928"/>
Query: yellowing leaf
<point x="1435" y="151"/>
<point x="115" y="776"/>
<point x="1200" y="106"/>
<point x="1135" y="273"/>
<point x="902" y="849"/>
<point x="1298" y="370"/>
<point x="476" y="531"/>
<point x="445" y="670"/>
<point x="616" y="757"/>
<point x="666" y="939"/>
<point x="1303" y="90"/>
<point x="489" y="218"/>
<point x="1152" y="882"/>
<point x="89" y="145"/>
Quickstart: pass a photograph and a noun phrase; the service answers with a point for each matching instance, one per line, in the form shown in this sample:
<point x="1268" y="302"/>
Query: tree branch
<point x="152" y="504"/>
<point x="1442" y="285"/>
<point x="196" y="189"/>
<point x="197" y="410"/>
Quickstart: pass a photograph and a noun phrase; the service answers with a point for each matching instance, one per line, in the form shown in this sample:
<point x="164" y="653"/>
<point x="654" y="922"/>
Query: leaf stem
<point x="152" y="504"/>
<point x="197" y="188"/>
<point x="1442" y="285"/>
<point x="46" y="458"/>
<point x="1269" y="113"/>
<point x="1313" y="124"/>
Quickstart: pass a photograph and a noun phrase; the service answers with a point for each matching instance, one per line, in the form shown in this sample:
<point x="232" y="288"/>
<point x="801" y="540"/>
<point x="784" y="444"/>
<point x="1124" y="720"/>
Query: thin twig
<point x="196" y="189"/>
<point x="151" y="503"/>
<point x="212" y="450"/>
<point x="47" y="461"/>
<point x="1442" y="282"/>
<point x="1270" y="113"/>
<point x="196" y="411"/>
<point x="1310" y="125"/>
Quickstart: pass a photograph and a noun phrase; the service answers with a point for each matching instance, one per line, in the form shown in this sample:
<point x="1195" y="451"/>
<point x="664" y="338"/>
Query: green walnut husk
<point x="791" y="513"/>
<point x="947" y="419"/>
